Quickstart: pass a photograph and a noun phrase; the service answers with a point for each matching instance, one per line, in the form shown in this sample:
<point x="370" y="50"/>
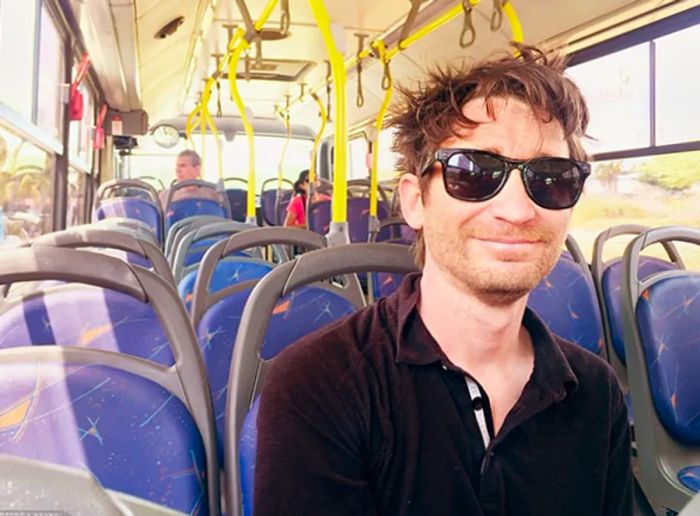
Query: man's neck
<point x="474" y="334"/>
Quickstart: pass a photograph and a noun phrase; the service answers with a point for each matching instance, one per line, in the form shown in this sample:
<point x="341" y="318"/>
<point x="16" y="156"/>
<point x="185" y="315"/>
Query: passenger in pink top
<point x="296" y="211"/>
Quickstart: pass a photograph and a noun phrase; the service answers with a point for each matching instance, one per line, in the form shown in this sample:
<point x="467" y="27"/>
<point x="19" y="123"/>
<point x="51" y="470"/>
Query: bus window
<point x="76" y="197"/>
<point x="677" y="108"/>
<point x="50" y="107"/>
<point x="26" y="186"/>
<point x="616" y="88"/>
<point x="17" y="45"/>
<point x="79" y="141"/>
<point x="654" y="191"/>
<point x="357" y="160"/>
<point x="268" y="150"/>
<point x="387" y="170"/>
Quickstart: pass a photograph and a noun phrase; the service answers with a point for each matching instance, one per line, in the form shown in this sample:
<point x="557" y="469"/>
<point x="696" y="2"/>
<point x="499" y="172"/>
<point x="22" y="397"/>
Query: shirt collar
<point x="552" y="375"/>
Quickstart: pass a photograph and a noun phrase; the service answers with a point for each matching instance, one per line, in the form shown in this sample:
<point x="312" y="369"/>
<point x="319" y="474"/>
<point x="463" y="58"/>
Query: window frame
<point x="646" y="34"/>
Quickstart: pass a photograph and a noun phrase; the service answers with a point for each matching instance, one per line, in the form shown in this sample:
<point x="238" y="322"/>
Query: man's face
<point x="184" y="169"/>
<point x="501" y="248"/>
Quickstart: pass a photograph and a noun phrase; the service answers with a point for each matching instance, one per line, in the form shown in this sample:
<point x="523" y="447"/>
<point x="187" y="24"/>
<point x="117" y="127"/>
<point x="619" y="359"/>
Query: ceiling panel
<point x="163" y="63"/>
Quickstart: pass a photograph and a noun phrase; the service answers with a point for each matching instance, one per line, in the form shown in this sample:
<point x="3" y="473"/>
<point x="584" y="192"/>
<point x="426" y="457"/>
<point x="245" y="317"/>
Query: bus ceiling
<point x="154" y="54"/>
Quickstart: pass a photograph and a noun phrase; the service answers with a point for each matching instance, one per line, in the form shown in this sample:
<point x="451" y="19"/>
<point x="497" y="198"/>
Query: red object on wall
<point x="75" y="107"/>
<point x="98" y="141"/>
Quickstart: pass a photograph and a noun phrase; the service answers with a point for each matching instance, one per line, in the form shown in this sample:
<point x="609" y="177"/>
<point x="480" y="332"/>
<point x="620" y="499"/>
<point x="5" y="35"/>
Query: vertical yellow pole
<point x="339" y="211"/>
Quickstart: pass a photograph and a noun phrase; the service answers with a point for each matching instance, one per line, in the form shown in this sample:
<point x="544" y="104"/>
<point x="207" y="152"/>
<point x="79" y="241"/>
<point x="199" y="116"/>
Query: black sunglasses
<point x="476" y="175"/>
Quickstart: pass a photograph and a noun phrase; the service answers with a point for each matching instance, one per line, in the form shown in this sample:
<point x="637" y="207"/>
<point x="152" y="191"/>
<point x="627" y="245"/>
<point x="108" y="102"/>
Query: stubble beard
<point x="499" y="279"/>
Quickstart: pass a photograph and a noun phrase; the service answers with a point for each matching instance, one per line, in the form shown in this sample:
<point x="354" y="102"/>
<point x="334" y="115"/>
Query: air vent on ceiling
<point x="169" y="28"/>
<point x="283" y="70"/>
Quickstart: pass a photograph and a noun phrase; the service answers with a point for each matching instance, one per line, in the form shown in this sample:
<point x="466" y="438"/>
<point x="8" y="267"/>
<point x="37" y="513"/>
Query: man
<point x="450" y="397"/>
<point x="188" y="166"/>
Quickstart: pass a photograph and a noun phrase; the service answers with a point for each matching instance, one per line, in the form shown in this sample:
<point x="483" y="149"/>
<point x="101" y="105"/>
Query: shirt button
<point x="478" y="403"/>
<point x="444" y="367"/>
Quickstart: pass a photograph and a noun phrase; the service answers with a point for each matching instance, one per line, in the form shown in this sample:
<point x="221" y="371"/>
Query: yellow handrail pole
<point x="265" y="14"/>
<point x="288" y="126"/>
<point x="428" y="28"/>
<point x="339" y="204"/>
<point x="515" y="28"/>
<point x="379" y="122"/>
<point x="190" y="125"/>
<point x="206" y="97"/>
<point x="233" y="65"/>
<point x="317" y="139"/>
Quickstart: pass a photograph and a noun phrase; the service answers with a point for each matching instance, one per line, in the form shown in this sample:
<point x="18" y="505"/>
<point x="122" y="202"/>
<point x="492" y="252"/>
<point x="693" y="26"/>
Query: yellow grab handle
<point x="319" y="135"/>
<point x="340" y="144"/>
<point x="379" y="122"/>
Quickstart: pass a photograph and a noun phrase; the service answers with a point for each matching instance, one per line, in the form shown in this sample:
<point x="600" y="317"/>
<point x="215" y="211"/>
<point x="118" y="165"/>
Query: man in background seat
<point x="188" y="166"/>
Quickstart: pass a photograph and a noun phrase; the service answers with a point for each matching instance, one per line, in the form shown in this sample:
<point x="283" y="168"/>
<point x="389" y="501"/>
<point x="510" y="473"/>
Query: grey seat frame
<point x="180" y="229"/>
<point x="248" y="370"/>
<point x="184" y="244"/>
<point x="598" y="267"/>
<point x="223" y="200"/>
<point x="269" y="235"/>
<point x="186" y="378"/>
<point x="659" y="456"/>
<point x="78" y="237"/>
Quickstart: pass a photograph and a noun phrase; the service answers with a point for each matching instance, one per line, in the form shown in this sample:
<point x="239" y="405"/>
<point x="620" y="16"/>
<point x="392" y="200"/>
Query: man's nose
<point x="512" y="203"/>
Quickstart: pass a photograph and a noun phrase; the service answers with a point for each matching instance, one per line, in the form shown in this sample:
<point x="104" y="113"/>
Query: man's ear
<point x="411" y="200"/>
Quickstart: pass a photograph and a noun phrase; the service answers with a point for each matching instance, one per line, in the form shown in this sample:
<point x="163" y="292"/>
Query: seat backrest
<point x="125" y="188"/>
<point x="60" y="315"/>
<point x="131" y="248"/>
<point x="229" y="271"/>
<point x="134" y="208"/>
<point x="207" y="200"/>
<point x="611" y="283"/>
<point x="194" y="243"/>
<point x="662" y="350"/>
<point x="184" y="208"/>
<point x="218" y="311"/>
<point x="281" y="206"/>
<point x="178" y="230"/>
<point x="237" y="198"/>
<point x="268" y="199"/>
<point x="566" y="301"/>
<point x="108" y="414"/>
<point x="265" y="328"/>
<point x="607" y="276"/>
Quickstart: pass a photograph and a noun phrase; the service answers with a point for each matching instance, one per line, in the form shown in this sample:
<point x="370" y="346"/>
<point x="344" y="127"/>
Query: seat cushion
<point x="611" y="282"/>
<point x="228" y="271"/>
<point x="191" y="207"/>
<point x="668" y="315"/>
<point x="567" y="303"/>
<point x="690" y="477"/>
<point x="132" y="208"/>
<point x="302" y="311"/>
<point x="89" y="317"/>
<point x="132" y="434"/>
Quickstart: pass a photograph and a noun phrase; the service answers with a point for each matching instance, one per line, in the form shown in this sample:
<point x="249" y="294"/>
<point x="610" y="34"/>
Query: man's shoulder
<point x="592" y="372"/>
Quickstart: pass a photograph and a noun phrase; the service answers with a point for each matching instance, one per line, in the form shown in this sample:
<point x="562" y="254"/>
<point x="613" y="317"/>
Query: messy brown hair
<point x="426" y="116"/>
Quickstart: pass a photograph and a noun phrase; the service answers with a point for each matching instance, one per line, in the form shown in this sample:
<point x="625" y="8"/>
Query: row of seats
<point x="120" y="325"/>
<point x="558" y="290"/>
<point x="569" y="285"/>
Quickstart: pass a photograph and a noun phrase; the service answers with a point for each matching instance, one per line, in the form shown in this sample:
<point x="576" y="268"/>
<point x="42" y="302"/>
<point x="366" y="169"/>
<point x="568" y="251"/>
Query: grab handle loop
<point x="468" y="36"/>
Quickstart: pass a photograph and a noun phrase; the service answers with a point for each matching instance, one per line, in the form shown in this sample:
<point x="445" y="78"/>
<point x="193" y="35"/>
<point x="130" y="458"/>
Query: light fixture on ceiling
<point x="169" y="28"/>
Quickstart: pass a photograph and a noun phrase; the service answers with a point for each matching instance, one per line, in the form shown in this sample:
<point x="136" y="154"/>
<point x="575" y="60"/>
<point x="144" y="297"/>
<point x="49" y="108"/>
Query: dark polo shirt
<point x="368" y="416"/>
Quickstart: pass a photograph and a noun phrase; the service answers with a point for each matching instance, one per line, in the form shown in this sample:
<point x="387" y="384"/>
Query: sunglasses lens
<point x="554" y="183"/>
<point x="473" y="176"/>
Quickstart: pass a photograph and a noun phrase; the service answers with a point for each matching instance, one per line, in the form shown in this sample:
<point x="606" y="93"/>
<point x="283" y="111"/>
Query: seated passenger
<point x="296" y="211"/>
<point x="188" y="166"/>
<point x="450" y="397"/>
